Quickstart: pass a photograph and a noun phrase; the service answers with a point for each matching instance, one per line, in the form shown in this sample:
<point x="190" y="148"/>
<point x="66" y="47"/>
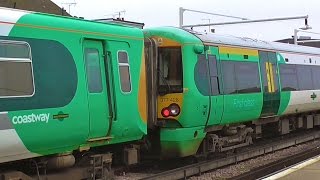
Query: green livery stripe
<point x="241" y="107"/>
<point x="284" y="102"/>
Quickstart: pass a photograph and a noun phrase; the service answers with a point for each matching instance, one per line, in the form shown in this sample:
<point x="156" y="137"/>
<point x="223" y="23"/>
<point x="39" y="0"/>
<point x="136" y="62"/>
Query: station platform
<point x="307" y="170"/>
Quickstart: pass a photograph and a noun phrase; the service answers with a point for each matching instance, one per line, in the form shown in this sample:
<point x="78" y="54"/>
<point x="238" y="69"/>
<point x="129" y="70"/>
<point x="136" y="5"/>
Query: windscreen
<point x="170" y="70"/>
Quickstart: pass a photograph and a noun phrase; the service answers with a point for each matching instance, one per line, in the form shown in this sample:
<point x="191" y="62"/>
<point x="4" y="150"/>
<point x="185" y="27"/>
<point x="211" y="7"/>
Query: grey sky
<point x="166" y="13"/>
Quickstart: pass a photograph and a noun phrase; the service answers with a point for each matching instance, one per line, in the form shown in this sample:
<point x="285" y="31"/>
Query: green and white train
<point x="228" y="88"/>
<point x="69" y="86"/>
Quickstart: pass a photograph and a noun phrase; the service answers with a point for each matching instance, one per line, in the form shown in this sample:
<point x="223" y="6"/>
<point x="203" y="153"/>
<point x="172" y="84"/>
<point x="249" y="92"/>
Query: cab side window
<point x="124" y="71"/>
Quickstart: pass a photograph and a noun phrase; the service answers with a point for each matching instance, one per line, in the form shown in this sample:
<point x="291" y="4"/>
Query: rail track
<point x="245" y="154"/>
<point x="262" y="147"/>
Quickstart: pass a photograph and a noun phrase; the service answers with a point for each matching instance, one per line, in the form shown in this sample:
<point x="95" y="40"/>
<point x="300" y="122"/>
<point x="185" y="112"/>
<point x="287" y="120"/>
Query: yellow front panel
<point x="142" y="99"/>
<point x="165" y="42"/>
<point x="166" y="100"/>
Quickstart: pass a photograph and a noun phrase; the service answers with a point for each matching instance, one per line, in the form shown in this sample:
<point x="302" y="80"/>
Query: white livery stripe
<point x="12" y="148"/>
<point x="8" y="18"/>
<point x="5" y="121"/>
<point x="303" y="101"/>
<point x="301" y="59"/>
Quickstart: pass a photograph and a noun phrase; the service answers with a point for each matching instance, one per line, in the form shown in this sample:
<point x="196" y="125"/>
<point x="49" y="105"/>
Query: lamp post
<point x="303" y="29"/>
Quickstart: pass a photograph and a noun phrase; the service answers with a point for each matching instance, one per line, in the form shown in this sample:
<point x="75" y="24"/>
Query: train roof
<point x="21" y="21"/>
<point x="229" y="40"/>
<point x="7" y="12"/>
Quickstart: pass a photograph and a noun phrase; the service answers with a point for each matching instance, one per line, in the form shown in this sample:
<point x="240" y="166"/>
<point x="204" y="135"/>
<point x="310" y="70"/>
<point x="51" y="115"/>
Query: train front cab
<point x="191" y="97"/>
<point x="167" y="120"/>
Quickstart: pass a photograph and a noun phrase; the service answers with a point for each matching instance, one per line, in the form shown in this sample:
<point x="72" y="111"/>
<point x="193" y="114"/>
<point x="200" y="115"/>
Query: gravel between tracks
<point x="130" y="176"/>
<point x="236" y="169"/>
<point x="245" y="166"/>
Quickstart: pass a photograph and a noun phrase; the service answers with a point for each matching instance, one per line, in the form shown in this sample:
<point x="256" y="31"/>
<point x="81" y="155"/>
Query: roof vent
<point x="304" y="37"/>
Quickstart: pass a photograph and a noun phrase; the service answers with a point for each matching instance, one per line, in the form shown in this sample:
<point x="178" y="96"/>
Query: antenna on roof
<point x="118" y="13"/>
<point x="69" y="4"/>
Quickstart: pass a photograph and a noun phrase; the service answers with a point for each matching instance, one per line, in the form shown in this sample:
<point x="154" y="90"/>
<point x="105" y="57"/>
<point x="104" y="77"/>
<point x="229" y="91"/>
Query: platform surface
<point x="308" y="170"/>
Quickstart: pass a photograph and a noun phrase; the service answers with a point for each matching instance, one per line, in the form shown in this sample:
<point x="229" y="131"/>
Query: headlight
<point x="174" y="110"/>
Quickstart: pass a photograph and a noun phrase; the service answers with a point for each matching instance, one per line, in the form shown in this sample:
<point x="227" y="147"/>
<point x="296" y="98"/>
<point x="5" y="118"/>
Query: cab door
<point x="270" y="82"/>
<point x="98" y="104"/>
<point x="216" y="99"/>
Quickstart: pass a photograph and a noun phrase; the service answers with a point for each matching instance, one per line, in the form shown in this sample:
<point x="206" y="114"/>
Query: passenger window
<point x="240" y="77"/>
<point x="16" y="77"/>
<point x="229" y="80"/>
<point x="124" y="71"/>
<point x="288" y="77"/>
<point x="12" y="50"/>
<point x="247" y="77"/>
<point x="92" y="61"/>
<point x="316" y="77"/>
<point x="304" y="77"/>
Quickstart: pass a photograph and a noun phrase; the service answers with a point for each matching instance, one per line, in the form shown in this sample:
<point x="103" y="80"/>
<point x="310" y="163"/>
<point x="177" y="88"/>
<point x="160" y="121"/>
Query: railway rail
<point x="248" y="153"/>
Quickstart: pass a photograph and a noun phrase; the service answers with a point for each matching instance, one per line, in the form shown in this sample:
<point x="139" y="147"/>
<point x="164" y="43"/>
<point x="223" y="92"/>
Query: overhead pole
<point x="248" y="21"/>
<point x="182" y="10"/>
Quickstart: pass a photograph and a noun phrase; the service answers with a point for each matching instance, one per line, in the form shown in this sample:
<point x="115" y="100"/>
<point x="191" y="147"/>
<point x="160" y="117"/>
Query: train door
<point x="97" y="92"/>
<point x="270" y="82"/>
